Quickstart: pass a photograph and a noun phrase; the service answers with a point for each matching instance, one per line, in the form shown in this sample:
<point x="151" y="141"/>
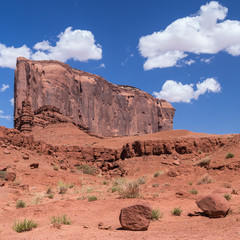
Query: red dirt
<point x="180" y="175"/>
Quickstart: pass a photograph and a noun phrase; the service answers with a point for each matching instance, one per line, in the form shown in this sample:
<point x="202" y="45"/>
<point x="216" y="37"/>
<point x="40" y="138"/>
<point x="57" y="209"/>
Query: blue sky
<point x="187" y="52"/>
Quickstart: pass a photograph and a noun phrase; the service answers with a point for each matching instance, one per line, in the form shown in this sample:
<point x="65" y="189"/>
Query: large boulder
<point x="48" y="92"/>
<point x="214" y="205"/>
<point x="136" y="217"/>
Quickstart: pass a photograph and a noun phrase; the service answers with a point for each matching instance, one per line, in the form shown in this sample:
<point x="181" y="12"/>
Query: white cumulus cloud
<point x="8" y="117"/>
<point x="72" y="44"/>
<point x="8" y="55"/>
<point x="12" y="101"/>
<point x="173" y="91"/>
<point x="207" y="32"/>
<point x="4" y="87"/>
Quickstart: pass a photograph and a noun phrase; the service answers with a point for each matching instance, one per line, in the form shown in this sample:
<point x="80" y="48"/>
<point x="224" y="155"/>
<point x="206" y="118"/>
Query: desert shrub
<point x="204" y="162"/>
<point x="205" y="179"/>
<point x="87" y="169"/>
<point x="227" y="196"/>
<point x="130" y="190"/>
<point x="142" y="180"/>
<point x="23" y="226"/>
<point x="55" y="167"/>
<point x="194" y="191"/>
<point x="2" y="174"/>
<point x="229" y="155"/>
<point x="157" y="174"/>
<point x="227" y="185"/>
<point x="190" y="183"/>
<point x="92" y="198"/>
<point x="176" y="211"/>
<point x="63" y="187"/>
<point x="49" y="190"/>
<point x="155" y="185"/>
<point x="63" y="219"/>
<point x="20" y="204"/>
<point x="50" y="195"/>
<point x="105" y="182"/>
<point x="156" y="214"/>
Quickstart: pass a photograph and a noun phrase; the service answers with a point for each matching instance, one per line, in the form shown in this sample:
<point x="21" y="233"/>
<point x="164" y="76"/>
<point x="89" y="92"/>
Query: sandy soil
<point x="31" y="185"/>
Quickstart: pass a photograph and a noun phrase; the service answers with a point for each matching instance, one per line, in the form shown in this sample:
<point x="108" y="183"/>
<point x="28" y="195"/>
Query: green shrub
<point x="63" y="187"/>
<point x="20" y="204"/>
<point x="229" y="155"/>
<point x="87" y="169"/>
<point x="227" y="196"/>
<point x="23" y="226"/>
<point x="156" y="214"/>
<point x="63" y="219"/>
<point x="155" y="185"/>
<point x="50" y="195"/>
<point x="194" y="191"/>
<point x="92" y="198"/>
<point x="130" y="190"/>
<point x="157" y="174"/>
<point x="176" y="211"/>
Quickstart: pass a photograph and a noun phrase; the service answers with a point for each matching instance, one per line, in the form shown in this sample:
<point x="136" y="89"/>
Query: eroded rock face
<point x="57" y="93"/>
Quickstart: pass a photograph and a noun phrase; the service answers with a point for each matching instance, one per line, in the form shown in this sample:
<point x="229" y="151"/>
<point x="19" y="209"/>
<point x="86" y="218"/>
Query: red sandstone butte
<point x="50" y="92"/>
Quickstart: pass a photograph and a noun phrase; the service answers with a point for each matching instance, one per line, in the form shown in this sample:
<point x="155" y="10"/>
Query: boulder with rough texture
<point x="136" y="217"/>
<point x="214" y="205"/>
<point x="48" y="92"/>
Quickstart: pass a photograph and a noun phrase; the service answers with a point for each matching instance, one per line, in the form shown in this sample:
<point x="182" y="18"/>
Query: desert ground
<point x="52" y="171"/>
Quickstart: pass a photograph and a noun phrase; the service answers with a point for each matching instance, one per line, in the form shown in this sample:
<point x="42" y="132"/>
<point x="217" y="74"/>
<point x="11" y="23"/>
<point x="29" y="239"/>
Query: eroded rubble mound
<point x="53" y="92"/>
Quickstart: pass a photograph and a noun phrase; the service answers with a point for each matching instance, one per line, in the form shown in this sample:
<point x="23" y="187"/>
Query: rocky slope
<point x="52" y="92"/>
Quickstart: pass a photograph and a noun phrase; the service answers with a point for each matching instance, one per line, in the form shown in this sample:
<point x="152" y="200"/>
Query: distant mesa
<point x="50" y="92"/>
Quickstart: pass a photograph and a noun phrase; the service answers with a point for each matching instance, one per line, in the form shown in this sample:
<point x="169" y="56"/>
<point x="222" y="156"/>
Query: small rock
<point x="214" y="205"/>
<point x="63" y="167"/>
<point x="136" y="217"/>
<point x="103" y="227"/>
<point x="10" y="176"/>
<point x="25" y="157"/>
<point x="176" y="162"/>
<point x="34" y="165"/>
<point x="6" y="151"/>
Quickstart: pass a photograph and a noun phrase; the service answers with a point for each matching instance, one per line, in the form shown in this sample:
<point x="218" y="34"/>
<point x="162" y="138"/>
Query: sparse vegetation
<point x="105" y="182"/>
<point x="2" y="174"/>
<point x="63" y="219"/>
<point x="229" y="155"/>
<point x="142" y="180"/>
<point x="204" y="162"/>
<point x="55" y="167"/>
<point x="156" y="214"/>
<point x="190" y="183"/>
<point x="20" y="204"/>
<point x="50" y="195"/>
<point x="87" y="169"/>
<point x="130" y="190"/>
<point x="23" y="226"/>
<point x="227" y="196"/>
<point x="157" y="174"/>
<point x="92" y="198"/>
<point x="227" y="185"/>
<point x="194" y="191"/>
<point x="176" y="211"/>
<point x="155" y="185"/>
<point x="63" y="187"/>
<point x="205" y="179"/>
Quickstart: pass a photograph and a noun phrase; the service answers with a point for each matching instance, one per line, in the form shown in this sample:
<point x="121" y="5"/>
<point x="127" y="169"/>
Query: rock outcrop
<point x="50" y="92"/>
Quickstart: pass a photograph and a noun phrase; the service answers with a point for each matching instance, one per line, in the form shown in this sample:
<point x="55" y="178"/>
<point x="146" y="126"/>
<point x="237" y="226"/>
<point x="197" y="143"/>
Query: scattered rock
<point x="172" y="173"/>
<point x="222" y="190"/>
<point x="25" y="156"/>
<point x="6" y="152"/>
<point x="214" y="205"/>
<point x="136" y="217"/>
<point x="34" y="165"/>
<point x="104" y="227"/>
<point x="10" y="176"/>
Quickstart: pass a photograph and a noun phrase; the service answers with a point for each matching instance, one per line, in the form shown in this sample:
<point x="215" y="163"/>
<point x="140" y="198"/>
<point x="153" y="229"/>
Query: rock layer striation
<point x="49" y="92"/>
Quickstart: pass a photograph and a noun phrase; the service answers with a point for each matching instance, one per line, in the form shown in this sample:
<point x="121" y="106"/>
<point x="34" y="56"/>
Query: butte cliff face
<point x="51" y="92"/>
